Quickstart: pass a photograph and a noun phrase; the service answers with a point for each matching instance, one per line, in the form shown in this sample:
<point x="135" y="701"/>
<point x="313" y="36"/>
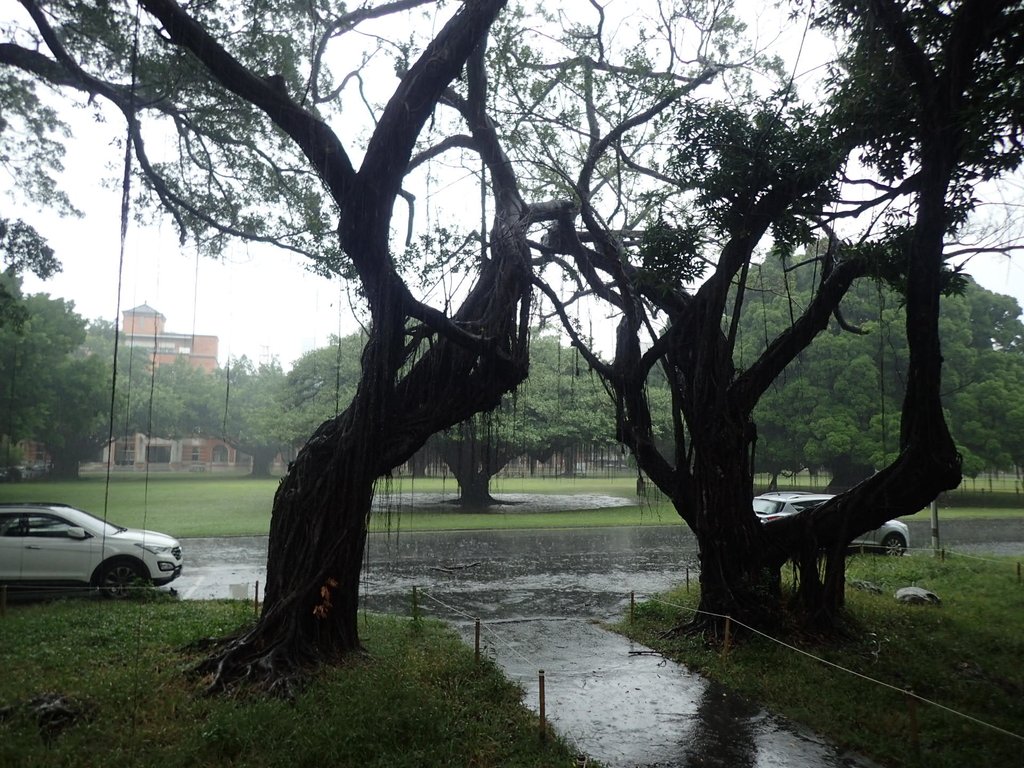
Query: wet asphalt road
<point x="539" y="594"/>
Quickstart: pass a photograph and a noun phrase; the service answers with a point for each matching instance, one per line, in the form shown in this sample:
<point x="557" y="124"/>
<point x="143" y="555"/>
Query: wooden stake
<point x="687" y="579"/>
<point x="728" y="632"/>
<point x="415" y="605"/>
<point x="915" y="739"/>
<point x="632" y="604"/>
<point x="543" y="714"/>
<point x="3" y="599"/>
<point x="477" y="642"/>
<point x="1018" y="573"/>
<point x="256" y="600"/>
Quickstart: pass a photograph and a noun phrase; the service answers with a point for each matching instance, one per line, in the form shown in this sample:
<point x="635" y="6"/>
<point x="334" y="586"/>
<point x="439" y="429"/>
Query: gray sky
<point x="260" y="301"/>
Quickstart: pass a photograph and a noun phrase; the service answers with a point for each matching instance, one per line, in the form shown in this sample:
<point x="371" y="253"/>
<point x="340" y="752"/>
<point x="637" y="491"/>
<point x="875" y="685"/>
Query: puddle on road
<point x="627" y="707"/>
<point x="625" y="710"/>
<point x="506" y="503"/>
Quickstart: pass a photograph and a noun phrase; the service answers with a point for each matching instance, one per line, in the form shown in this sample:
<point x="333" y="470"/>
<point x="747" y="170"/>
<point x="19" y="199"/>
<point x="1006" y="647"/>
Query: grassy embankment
<point x="416" y="699"/>
<point x="188" y="505"/>
<point x="964" y="654"/>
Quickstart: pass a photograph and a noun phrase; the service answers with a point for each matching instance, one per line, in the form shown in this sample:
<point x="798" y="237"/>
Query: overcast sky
<point x="260" y="302"/>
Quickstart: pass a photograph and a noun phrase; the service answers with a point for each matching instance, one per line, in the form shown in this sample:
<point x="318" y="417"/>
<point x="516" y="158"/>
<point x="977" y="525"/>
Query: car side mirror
<point x="75" y="532"/>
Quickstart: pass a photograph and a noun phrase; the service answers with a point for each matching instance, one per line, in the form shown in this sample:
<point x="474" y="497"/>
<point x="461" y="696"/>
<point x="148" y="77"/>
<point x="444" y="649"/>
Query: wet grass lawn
<point x="186" y="505"/>
<point x="965" y="655"/>
<point x="416" y="699"/>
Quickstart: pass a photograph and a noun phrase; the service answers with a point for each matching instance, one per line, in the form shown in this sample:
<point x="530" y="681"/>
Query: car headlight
<point x="154" y="549"/>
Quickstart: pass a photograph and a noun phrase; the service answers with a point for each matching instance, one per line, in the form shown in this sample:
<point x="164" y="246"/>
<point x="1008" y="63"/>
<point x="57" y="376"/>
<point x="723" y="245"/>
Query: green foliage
<point x="732" y="156"/>
<point x="672" y="255"/>
<point x="33" y="137"/>
<point x="414" y="699"/>
<point x="838" y="403"/>
<point x="21" y="249"/>
<point x="320" y="385"/>
<point x="51" y="392"/>
<point x="561" y="404"/>
<point x="232" y="173"/>
<point x="24" y="249"/>
<point x="987" y="107"/>
<point x="252" y="411"/>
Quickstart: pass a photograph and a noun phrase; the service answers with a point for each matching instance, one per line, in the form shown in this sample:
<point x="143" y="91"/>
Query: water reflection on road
<point x="539" y="594"/>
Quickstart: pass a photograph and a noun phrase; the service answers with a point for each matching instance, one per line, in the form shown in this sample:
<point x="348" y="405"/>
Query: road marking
<point x="192" y="591"/>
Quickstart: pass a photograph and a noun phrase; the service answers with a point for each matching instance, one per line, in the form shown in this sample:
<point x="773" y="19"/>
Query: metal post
<point x="256" y="600"/>
<point x="476" y="644"/>
<point x="415" y="605"/>
<point x="3" y="597"/>
<point x="632" y="606"/>
<point x="728" y="632"/>
<point x="687" y="579"/>
<point x="935" y="527"/>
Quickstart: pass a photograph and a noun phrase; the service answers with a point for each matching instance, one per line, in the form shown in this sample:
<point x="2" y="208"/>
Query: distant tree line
<point x="834" y="409"/>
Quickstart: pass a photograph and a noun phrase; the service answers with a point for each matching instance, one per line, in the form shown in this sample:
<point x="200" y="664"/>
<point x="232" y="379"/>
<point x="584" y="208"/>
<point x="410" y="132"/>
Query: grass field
<point x="187" y="505"/>
<point x="417" y="699"/>
<point x="964" y="655"/>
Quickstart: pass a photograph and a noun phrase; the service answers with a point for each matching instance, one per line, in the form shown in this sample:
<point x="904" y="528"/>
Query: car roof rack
<point x="41" y="504"/>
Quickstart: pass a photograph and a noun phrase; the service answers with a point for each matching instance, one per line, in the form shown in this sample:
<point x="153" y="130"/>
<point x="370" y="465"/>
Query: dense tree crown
<point x="618" y="154"/>
<point x="837" y="405"/>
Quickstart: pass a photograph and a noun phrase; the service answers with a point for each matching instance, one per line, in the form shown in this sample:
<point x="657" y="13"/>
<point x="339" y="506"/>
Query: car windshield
<point x="766" y="507"/>
<point x="79" y="516"/>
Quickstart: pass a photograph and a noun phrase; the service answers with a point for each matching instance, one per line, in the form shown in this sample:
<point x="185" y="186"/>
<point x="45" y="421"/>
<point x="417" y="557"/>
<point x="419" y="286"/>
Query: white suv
<point x="892" y="537"/>
<point x="54" y="545"/>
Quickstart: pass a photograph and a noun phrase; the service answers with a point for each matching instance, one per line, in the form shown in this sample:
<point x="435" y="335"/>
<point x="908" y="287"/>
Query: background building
<point x="143" y="328"/>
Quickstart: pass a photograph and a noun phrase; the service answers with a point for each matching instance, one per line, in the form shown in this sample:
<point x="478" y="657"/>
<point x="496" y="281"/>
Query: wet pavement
<point x="627" y="707"/>
<point x="539" y="594"/>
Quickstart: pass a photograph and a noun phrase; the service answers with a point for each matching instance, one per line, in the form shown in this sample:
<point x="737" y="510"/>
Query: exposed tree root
<point x="251" y="662"/>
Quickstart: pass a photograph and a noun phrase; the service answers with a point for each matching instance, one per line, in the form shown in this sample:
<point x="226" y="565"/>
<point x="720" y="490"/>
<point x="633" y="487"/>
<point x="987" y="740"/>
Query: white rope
<point x="826" y="662"/>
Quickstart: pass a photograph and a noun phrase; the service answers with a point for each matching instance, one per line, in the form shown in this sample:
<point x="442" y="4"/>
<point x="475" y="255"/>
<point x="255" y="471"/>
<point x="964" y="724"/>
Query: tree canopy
<point x="836" y="406"/>
<point x="618" y="158"/>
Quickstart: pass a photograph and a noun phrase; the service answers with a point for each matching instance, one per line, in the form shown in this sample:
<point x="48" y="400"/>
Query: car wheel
<point x="116" y="578"/>
<point x="893" y="544"/>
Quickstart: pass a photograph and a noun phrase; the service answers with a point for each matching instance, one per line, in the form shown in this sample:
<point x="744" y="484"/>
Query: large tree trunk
<point x="738" y="578"/>
<point x="474" y="459"/>
<point x="846" y="473"/>
<point x="262" y="458"/>
<point x="65" y="466"/>
<point x="322" y="507"/>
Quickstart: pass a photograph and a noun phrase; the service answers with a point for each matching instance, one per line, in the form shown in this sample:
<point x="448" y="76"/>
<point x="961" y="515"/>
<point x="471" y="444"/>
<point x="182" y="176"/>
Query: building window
<point x="195" y="454"/>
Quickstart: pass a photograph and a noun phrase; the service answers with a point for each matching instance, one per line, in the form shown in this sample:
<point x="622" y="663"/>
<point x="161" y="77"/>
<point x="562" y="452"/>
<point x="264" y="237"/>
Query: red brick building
<point x="143" y="328"/>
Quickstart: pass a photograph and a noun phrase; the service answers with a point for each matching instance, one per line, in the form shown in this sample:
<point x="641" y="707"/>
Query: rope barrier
<point x="841" y="668"/>
<point x="694" y="611"/>
<point x="493" y="635"/>
<point x="970" y="556"/>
